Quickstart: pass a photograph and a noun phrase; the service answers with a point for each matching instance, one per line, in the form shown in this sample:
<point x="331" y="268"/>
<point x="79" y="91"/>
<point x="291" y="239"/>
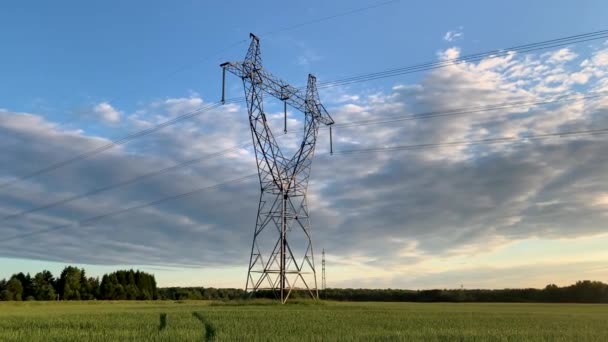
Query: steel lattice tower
<point x="281" y="253"/>
<point x="323" y="279"/>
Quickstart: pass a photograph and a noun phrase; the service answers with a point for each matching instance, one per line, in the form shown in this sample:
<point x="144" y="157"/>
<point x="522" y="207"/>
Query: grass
<point x="301" y="321"/>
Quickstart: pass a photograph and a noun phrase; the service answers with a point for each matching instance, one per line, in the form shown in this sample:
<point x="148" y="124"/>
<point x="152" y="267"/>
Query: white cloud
<point x="347" y="98"/>
<point x="580" y="77"/>
<point x="107" y="113"/>
<point x="561" y="56"/>
<point x="601" y="58"/>
<point x="177" y="106"/>
<point x="448" y="54"/>
<point x="451" y="36"/>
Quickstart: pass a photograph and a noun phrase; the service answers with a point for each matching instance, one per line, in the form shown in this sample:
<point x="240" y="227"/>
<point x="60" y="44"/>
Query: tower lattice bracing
<point x="281" y="254"/>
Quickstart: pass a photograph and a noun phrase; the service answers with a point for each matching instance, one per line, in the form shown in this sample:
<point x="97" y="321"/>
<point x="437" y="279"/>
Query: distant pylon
<point x="281" y="252"/>
<point x="323" y="279"/>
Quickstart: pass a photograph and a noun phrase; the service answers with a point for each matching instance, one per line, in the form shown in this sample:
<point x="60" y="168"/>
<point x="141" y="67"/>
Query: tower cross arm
<point x="278" y="88"/>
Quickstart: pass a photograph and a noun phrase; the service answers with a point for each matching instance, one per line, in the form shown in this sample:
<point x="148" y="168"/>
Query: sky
<point x="522" y="213"/>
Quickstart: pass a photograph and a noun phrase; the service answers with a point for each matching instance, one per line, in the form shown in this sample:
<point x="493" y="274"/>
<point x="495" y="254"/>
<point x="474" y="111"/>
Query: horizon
<point x="150" y="271"/>
<point x="418" y="193"/>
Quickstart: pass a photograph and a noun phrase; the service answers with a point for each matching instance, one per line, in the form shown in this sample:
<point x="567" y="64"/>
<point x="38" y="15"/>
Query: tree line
<point x="581" y="292"/>
<point x="73" y="284"/>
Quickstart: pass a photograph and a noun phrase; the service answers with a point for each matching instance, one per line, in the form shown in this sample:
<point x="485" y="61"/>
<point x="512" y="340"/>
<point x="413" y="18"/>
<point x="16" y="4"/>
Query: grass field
<point x="305" y="321"/>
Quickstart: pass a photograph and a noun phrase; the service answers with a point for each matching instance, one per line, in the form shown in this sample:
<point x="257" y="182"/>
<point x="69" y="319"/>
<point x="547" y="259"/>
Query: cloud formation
<point x="375" y="210"/>
<point x="106" y="112"/>
<point x="451" y="36"/>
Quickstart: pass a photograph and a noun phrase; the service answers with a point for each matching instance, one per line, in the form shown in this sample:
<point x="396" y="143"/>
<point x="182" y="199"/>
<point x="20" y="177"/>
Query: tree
<point x="14" y="289"/>
<point x="108" y="288"/>
<point x="69" y="283"/>
<point x="129" y="284"/>
<point x="119" y="293"/>
<point x="89" y="287"/>
<point x="4" y="294"/>
<point x="93" y="287"/>
<point x="42" y="285"/>
<point x="132" y="292"/>
<point x="26" y="283"/>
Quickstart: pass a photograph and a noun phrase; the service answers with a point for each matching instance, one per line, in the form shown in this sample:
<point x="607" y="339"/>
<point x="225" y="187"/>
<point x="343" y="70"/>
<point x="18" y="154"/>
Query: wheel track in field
<point x="209" y="332"/>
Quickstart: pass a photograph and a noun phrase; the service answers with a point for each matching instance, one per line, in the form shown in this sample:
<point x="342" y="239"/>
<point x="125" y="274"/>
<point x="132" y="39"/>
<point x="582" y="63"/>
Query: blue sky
<point x="74" y="74"/>
<point x="66" y="55"/>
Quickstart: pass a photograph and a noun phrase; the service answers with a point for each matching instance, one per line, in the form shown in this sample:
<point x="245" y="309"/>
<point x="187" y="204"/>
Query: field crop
<point x="300" y="321"/>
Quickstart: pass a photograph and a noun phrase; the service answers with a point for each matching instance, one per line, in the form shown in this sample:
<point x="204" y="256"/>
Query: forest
<point x="580" y="292"/>
<point x="73" y="284"/>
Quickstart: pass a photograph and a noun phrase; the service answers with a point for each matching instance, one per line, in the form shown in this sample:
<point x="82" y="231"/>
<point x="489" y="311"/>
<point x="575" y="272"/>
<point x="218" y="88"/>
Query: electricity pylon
<point x="323" y="279"/>
<point x="281" y="259"/>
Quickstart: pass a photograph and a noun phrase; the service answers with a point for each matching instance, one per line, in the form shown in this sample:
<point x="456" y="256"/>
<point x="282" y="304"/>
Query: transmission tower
<point x="281" y="253"/>
<point x="323" y="279"/>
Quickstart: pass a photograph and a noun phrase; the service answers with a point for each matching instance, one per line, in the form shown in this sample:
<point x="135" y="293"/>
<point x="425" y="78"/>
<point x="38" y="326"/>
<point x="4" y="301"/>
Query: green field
<point x="304" y="321"/>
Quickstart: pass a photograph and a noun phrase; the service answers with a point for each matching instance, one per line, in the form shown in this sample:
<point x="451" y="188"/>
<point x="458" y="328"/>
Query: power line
<point x="287" y="28"/>
<point x="123" y="183"/>
<point x="345" y="152"/>
<point x="500" y="140"/>
<point x="189" y="66"/>
<point x="526" y="48"/>
<point x="434" y="114"/>
<point x="343" y="14"/>
<point x="96" y="218"/>
<point x="114" y="143"/>
<point x="361" y="78"/>
<point x="478" y="109"/>
<point x="472" y="110"/>
<point x="188" y="115"/>
<point x="267" y="33"/>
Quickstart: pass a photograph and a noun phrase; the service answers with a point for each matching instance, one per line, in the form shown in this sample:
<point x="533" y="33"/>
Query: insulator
<point x="331" y="142"/>
<point x="285" y="116"/>
<point x="223" y="84"/>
